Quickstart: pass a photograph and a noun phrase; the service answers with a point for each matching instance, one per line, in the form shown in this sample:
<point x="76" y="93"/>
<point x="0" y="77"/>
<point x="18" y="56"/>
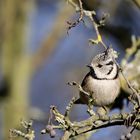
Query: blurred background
<point x="38" y="57"/>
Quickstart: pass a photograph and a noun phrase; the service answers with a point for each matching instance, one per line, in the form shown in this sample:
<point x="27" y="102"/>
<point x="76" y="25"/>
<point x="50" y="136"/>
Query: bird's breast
<point x="104" y="92"/>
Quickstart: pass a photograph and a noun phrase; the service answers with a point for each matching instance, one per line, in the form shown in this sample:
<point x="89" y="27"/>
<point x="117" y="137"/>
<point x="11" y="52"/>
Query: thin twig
<point x="79" y="87"/>
<point x="73" y="24"/>
<point x="99" y="37"/>
<point x="134" y="91"/>
<point x="30" y="135"/>
<point x="90" y="15"/>
<point x="68" y="108"/>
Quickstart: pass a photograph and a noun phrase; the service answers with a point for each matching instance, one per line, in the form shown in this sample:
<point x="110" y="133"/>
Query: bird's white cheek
<point x="99" y="73"/>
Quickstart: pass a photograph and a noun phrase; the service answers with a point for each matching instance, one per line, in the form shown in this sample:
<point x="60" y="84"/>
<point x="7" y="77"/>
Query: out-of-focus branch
<point x="131" y="51"/>
<point x="15" y="65"/>
<point x="29" y="135"/>
<point x="130" y="64"/>
<point x="137" y="3"/>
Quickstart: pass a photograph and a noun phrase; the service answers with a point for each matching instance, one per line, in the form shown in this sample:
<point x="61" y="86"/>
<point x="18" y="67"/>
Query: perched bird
<point x="102" y="82"/>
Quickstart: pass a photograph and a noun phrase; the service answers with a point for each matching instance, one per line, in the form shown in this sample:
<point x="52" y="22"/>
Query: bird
<point x="102" y="82"/>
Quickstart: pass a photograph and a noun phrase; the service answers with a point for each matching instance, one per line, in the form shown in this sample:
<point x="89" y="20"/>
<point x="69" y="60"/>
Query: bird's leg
<point x="101" y="111"/>
<point x="90" y="110"/>
<point x="90" y="107"/>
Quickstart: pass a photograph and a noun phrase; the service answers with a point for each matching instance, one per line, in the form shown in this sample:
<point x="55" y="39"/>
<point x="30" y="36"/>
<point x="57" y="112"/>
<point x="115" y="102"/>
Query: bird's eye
<point x="109" y="63"/>
<point x="99" y="65"/>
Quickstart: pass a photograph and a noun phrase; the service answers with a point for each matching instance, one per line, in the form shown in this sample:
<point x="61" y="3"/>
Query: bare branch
<point x="73" y="129"/>
<point x="30" y="135"/>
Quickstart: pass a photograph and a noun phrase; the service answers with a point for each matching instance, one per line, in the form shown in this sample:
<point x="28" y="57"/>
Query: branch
<point x="95" y="122"/>
<point x="90" y="15"/>
<point x="78" y="9"/>
<point x="29" y="135"/>
<point x="137" y="3"/>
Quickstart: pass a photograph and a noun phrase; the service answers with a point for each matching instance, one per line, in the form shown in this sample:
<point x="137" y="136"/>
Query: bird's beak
<point x="89" y="66"/>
